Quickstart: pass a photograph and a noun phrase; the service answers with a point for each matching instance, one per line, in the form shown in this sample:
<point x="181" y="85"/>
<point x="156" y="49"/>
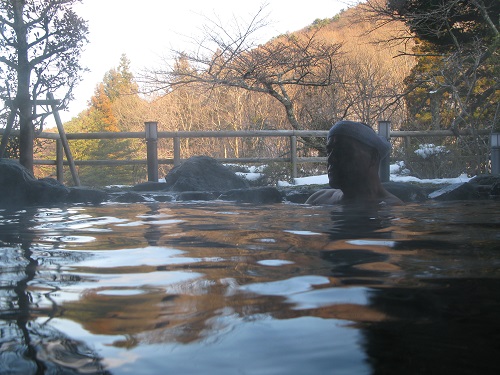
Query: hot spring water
<point x="201" y="288"/>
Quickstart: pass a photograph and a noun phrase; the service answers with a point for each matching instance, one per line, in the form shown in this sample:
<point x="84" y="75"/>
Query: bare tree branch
<point x="232" y="58"/>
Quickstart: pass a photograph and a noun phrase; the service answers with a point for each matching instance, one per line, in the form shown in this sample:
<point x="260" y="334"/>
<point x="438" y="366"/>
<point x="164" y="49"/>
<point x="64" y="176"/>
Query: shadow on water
<point x="28" y="344"/>
<point x="441" y="306"/>
<point x="445" y="326"/>
<point x="358" y="225"/>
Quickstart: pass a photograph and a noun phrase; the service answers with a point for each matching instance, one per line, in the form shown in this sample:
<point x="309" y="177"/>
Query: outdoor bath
<point x="218" y="287"/>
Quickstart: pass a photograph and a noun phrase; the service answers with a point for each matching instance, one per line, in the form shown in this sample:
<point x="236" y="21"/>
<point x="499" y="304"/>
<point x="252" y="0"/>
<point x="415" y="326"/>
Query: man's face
<point x="348" y="161"/>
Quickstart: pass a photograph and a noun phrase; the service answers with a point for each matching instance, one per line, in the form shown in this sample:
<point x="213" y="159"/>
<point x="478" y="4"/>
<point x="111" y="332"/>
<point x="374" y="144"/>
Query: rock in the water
<point x="405" y="192"/>
<point x="86" y="195"/>
<point x="196" y="196"/>
<point x="19" y="188"/>
<point x="150" y="186"/>
<point x="260" y="195"/>
<point x="487" y="185"/>
<point x="49" y="190"/>
<point x="459" y="191"/>
<point x="485" y="179"/>
<point x="162" y="198"/>
<point x="298" y="195"/>
<point x="495" y="190"/>
<point x="129" y="197"/>
<point x="203" y="173"/>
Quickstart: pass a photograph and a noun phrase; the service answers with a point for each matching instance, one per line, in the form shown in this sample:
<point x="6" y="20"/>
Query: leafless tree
<point x="40" y="46"/>
<point x="231" y="58"/>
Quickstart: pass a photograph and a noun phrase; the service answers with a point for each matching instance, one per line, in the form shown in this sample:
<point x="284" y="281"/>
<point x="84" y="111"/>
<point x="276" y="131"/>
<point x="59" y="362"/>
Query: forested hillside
<point x="365" y="80"/>
<point x="356" y="66"/>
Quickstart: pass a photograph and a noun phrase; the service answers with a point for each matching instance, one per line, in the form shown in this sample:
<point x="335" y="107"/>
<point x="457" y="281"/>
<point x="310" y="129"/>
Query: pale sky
<point x="146" y="30"/>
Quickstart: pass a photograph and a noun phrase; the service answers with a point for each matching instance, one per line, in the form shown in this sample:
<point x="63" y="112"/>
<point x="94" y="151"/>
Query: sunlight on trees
<point x="454" y="84"/>
<point x="105" y="115"/>
<point x="305" y="80"/>
<point x="368" y="63"/>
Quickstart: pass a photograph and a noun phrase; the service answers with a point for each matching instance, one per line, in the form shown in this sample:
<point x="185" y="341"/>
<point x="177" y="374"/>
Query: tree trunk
<point x="287" y="103"/>
<point x="26" y="131"/>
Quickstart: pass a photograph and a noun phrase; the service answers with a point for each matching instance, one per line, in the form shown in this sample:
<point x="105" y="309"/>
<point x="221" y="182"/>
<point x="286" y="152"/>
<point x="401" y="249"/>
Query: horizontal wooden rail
<point x="194" y="134"/>
<point x="435" y="133"/>
<point x="250" y="133"/>
<point x="171" y="161"/>
<point x="177" y="135"/>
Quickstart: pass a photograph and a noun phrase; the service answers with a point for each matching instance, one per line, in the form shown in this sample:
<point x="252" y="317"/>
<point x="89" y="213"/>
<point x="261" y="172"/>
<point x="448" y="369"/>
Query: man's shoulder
<point x="325" y="196"/>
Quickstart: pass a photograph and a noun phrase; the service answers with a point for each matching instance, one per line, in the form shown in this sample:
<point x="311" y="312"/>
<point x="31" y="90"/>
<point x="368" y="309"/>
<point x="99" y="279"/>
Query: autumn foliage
<point x="348" y="66"/>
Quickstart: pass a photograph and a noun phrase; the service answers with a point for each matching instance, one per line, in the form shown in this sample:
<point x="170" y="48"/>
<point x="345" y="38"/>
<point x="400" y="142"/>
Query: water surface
<point x="214" y="287"/>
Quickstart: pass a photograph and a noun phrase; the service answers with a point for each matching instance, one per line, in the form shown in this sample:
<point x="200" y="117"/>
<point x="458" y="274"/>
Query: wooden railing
<point x="151" y="136"/>
<point x="152" y="160"/>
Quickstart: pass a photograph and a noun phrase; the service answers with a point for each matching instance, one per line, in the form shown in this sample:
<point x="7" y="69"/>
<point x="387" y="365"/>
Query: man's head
<point x="354" y="154"/>
<point x="362" y="133"/>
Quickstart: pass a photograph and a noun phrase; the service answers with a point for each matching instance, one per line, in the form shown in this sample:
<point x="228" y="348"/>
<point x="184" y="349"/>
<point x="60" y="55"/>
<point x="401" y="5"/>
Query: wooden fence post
<point x="177" y="151"/>
<point x="293" y="155"/>
<point x="384" y="130"/>
<point x="495" y="153"/>
<point x="151" y="128"/>
<point x="64" y="139"/>
<point x="59" y="161"/>
<point x="407" y="142"/>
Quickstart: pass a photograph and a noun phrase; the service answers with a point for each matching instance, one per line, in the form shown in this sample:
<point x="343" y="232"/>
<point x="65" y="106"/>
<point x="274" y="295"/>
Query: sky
<point x="147" y="30"/>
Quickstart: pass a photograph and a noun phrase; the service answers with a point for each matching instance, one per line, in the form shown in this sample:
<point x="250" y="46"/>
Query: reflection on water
<point x="275" y="289"/>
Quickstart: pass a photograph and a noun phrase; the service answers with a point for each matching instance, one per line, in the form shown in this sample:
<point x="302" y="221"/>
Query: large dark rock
<point x="19" y="188"/>
<point x="203" y="173"/>
<point x="485" y="179"/>
<point x="262" y="195"/>
<point x="150" y="186"/>
<point x="406" y="192"/>
<point x="495" y="190"/>
<point x="129" y="197"/>
<point x="299" y="194"/>
<point x="196" y="196"/>
<point x="86" y="195"/>
<point x="459" y="191"/>
<point x="488" y="185"/>
<point x="49" y="190"/>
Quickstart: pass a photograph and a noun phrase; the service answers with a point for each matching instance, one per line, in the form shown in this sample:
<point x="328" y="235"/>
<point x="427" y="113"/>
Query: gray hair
<point x="362" y="133"/>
